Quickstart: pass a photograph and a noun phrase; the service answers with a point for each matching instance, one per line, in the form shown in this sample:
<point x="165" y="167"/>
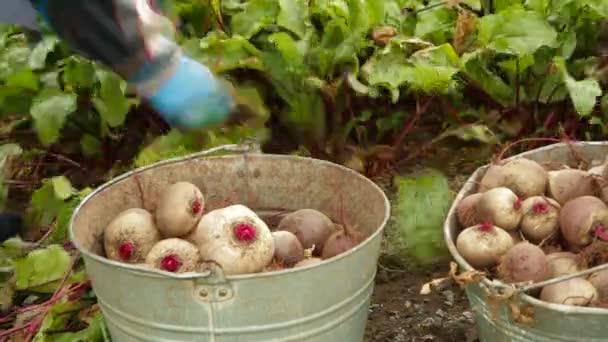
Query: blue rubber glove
<point x="193" y="97"/>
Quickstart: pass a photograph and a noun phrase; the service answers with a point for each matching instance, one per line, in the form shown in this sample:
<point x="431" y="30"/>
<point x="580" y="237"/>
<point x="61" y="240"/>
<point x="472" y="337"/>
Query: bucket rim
<point x="144" y="271"/>
<point x="496" y="284"/>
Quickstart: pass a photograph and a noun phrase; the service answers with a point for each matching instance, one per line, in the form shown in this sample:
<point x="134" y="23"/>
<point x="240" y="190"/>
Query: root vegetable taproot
<point x="523" y="262"/>
<point x="341" y="241"/>
<point x="236" y="238"/>
<point x="501" y="207"/>
<point x="568" y="184"/>
<point x="174" y="255"/>
<point x="524" y="177"/>
<point x="583" y="218"/>
<point x="179" y="209"/>
<point x="287" y="248"/>
<point x="576" y="291"/>
<point x="130" y="236"/>
<point x="310" y="226"/>
<point x="467" y="210"/>
<point x="540" y="218"/>
<point x="482" y="245"/>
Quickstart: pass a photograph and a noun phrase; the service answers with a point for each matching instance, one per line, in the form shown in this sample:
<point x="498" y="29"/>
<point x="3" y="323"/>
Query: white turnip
<point x="482" y="245"/>
<point x="540" y="218"/>
<point x="341" y="241"/>
<point x="523" y="262"/>
<point x="562" y="263"/>
<point x="467" y="210"/>
<point x="501" y="207"/>
<point x="310" y="226"/>
<point x="236" y="238"/>
<point x="130" y="236"/>
<point x="492" y="178"/>
<point x="524" y="177"/>
<point x="582" y="219"/>
<point x="174" y="255"/>
<point x="576" y="291"/>
<point x="180" y="207"/>
<point x="568" y="184"/>
<point x="287" y="248"/>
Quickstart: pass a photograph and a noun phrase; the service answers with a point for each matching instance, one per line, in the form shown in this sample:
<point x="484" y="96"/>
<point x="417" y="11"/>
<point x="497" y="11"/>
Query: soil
<point x="398" y="311"/>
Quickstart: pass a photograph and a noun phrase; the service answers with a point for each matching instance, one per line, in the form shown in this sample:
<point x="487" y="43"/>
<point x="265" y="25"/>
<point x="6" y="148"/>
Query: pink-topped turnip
<point x="540" y="218"/>
<point x="482" y="245"/>
<point x="179" y="209"/>
<point x="583" y="218"/>
<point x="501" y="207"/>
<point x="174" y="255"/>
<point x="130" y="236"/>
<point x="568" y="184"/>
<point x="236" y="238"/>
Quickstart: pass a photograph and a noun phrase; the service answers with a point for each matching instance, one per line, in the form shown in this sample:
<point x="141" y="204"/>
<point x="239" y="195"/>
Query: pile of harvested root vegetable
<point x="529" y="222"/>
<point x="181" y="235"/>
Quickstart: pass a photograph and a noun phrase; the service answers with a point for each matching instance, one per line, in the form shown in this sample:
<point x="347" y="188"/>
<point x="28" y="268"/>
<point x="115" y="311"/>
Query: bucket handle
<point x="244" y="147"/>
<point x="210" y="285"/>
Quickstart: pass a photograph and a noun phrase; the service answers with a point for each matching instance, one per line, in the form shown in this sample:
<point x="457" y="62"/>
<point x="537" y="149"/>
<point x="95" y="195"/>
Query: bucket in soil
<point x="324" y="302"/>
<point x="505" y="315"/>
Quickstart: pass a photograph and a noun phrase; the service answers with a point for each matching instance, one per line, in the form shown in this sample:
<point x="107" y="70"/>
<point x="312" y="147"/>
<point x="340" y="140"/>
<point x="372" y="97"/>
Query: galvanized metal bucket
<point x="327" y="302"/>
<point x="503" y="315"/>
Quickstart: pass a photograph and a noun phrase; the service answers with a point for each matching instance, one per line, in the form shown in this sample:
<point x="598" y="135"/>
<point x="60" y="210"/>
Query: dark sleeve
<point x="133" y="37"/>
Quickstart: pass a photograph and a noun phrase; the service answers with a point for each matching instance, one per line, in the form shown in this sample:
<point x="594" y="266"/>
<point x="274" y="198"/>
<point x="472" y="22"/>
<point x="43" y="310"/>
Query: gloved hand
<point x="192" y="97"/>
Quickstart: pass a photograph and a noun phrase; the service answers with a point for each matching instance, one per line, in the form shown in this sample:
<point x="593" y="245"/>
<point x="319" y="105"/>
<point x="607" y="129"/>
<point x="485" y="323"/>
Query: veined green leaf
<point x="515" y="31"/>
<point x="583" y="93"/>
<point x="49" y="110"/>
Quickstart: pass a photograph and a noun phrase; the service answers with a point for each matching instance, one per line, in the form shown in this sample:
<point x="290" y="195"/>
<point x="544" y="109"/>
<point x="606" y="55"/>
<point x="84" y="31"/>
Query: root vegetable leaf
<point x="111" y="102"/>
<point x="583" y="93"/>
<point x="37" y="59"/>
<point x="224" y="54"/>
<point x="419" y="210"/>
<point x="256" y="15"/>
<point x="41" y="266"/>
<point x="293" y="15"/>
<point x="515" y="31"/>
<point x="50" y="110"/>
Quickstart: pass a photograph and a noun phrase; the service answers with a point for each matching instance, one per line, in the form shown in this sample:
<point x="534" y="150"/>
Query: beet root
<point x="179" y="209"/>
<point x="482" y="245"/>
<point x="501" y="207"/>
<point x="467" y="210"/>
<point x="341" y="241"/>
<point x="540" y="218"/>
<point x="568" y="184"/>
<point x="523" y="262"/>
<point x="576" y="291"/>
<point x="287" y="248"/>
<point x="130" y="236"/>
<point x="525" y="177"/>
<point x="310" y="226"/>
<point x="583" y="218"/>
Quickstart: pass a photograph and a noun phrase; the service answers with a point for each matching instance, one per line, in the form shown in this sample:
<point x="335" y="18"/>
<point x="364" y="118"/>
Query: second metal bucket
<point x="323" y="303"/>
<point x="530" y="320"/>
